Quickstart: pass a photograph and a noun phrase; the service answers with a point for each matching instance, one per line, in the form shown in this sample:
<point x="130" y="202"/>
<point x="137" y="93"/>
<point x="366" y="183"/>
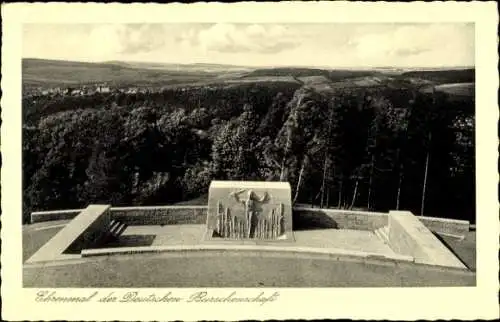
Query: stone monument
<point x="249" y="210"/>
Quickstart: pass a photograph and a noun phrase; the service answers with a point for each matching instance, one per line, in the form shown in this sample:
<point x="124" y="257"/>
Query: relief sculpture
<point x="249" y="216"/>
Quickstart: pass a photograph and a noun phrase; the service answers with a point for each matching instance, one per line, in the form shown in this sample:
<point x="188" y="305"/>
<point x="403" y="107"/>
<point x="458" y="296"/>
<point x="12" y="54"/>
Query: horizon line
<point x="254" y="66"/>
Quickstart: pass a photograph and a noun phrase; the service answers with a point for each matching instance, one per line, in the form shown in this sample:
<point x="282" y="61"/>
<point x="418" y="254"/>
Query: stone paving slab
<point x="33" y="239"/>
<point x="337" y="253"/>
<point x="169" y="234"/>
<point x="350" y="240"/>
<point x="355" y="240"/>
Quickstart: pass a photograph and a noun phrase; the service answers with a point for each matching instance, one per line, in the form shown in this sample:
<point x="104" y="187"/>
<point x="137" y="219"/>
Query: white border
<point x="367" y="303"/>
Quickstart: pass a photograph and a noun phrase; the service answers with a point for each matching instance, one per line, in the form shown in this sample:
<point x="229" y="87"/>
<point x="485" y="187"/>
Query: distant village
<point x="92" y="89"/>
<point x="85" y="90"/>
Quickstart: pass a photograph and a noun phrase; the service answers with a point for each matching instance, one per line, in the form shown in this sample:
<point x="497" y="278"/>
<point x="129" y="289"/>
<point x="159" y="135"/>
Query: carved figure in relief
<point x="250" y="204"/>
<point x="249" y="216"/>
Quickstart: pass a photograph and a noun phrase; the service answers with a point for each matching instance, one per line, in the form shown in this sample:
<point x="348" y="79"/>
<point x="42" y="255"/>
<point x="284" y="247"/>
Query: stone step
<point x="116" y="228"/>
<point x="113" y="226"/>
<point x="383" y="233"/>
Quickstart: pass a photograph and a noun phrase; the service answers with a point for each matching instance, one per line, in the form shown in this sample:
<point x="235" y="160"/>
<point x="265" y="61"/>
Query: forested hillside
<point x="375" y="147"/>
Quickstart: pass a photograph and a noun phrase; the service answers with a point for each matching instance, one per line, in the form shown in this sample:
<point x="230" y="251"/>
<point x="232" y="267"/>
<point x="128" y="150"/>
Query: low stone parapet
<point x="407" y="235"/>
<point x="160" y="215"/>
<point x="446" y="226"/>
<point x="305" y="218"/>
<point x="42" y="216"/>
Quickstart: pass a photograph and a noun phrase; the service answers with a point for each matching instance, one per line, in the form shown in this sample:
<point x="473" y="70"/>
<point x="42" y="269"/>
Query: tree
<point x="233" y="149"/>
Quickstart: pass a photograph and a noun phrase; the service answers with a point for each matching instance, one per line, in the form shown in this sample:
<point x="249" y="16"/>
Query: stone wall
<point x="446" y="226"/>
<point x="165" y="215"/>
<point x="306" y="218"/>
<point x="155" y="215"/>
<point x="42" y="216"/>
<point x="303" y="218"/>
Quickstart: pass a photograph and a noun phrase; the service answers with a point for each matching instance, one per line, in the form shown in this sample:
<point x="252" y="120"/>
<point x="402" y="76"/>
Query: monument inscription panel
<point x="249" y="210"/>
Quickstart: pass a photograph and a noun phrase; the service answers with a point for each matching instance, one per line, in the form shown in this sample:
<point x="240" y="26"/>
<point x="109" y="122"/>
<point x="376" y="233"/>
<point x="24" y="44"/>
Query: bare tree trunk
<point x="287" y="146"/>
<point x="399" y="188"/>
<point x="325" y="165"/>
<point x="425" y="183"/>
<point x="399" y="181"/>
<point x="317" y="196"/>
<point x="328" y="198"/>
<point x="339" y="204"/>
<point x="371" y="182"/>
<point x="288" y="139"/>
<point x="323" y="182"/>
<point x="299" y="182"/>
<point x="354" y="194"/>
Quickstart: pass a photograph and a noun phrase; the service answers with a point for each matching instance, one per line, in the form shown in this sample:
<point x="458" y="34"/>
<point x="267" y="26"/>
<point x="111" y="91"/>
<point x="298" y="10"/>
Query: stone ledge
<point x="446" y="225"/>
<point x="256" y="248"/>
<point x="90" y="224"/>
<point x="43" y="216"/>
<point x="409" y="236"/>
<point x="339" y="219"/>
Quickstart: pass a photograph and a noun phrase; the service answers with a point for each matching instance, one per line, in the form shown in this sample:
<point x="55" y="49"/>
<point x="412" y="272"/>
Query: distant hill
<point x="308" y="74"/>
<point x="52" y="73"/>
<point x="196" y="67"/>
<point x="444" y="76"/>
<point x="41" y="72"/>
<point x="288" y="71"/>
<point x="458" y="91"/>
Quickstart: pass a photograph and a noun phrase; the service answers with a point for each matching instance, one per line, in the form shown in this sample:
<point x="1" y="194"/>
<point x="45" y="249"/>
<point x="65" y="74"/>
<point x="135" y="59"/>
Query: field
<point x="48" y="73"/>
<point x="462" y="89"/>
<point x="51" y="73"/>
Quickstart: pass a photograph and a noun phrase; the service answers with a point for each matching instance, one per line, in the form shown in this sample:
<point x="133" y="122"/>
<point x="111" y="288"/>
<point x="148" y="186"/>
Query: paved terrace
<point x="191" y="235"/>
<point x="36" y="235"/>
<point x="234" y="268"/>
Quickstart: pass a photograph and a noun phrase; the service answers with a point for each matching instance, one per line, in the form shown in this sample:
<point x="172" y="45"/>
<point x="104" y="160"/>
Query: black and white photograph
<point x="355" y="130"/>
<point x="242" y="154"/>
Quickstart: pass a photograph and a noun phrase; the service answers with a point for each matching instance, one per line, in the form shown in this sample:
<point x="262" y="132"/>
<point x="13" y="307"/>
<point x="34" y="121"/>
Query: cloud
<point x="416" y="42"/>
<point x="104" y="40"/>
<point x="432" y="45"/>
<point x="409" y="51"/>
<point x="240" y="38"/>
<point x="141" y="38"/>
<point x="127" y="38"/>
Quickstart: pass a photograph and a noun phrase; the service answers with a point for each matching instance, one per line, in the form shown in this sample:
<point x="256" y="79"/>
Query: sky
<point x="292" y="44"/>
